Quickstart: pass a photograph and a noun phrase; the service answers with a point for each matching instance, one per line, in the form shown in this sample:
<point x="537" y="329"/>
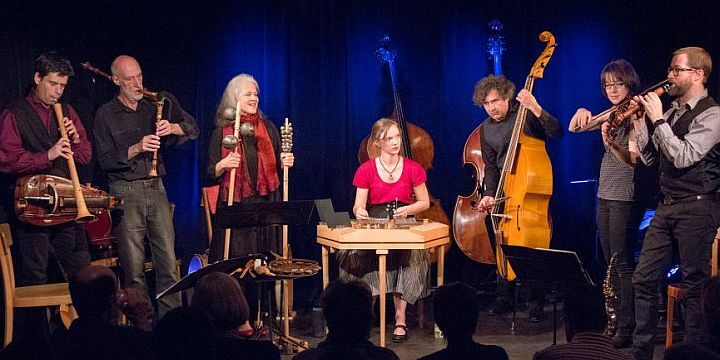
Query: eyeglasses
<point x="676" y="70"/>
<point x="616" y="85"/>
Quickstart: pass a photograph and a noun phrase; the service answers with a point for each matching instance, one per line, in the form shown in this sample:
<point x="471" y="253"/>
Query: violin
<point x="617" y="114"/>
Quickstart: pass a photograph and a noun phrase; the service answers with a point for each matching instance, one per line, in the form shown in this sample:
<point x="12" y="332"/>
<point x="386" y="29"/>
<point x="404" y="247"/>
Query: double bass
<point x="469" y="226"/>
<point x="525" y="182"/>
<point x="417" y="144"/>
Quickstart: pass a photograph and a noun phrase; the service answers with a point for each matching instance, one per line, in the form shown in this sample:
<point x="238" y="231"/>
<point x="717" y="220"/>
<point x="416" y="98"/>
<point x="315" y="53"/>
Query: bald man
<point x="127" y="135"/>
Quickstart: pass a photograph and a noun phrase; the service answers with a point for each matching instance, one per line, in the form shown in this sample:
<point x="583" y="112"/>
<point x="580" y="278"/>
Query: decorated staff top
<point x="286" y="133"/>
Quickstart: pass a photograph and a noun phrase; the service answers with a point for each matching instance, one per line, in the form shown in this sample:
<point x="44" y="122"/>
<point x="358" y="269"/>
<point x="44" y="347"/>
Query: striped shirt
<point x="585" y="345"/>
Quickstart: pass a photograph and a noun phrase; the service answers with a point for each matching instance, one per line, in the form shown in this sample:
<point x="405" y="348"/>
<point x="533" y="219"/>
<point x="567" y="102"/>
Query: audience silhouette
<point x="347" y="306"/>
<point x="219" y="295"/>
<point x="456" y="308"/>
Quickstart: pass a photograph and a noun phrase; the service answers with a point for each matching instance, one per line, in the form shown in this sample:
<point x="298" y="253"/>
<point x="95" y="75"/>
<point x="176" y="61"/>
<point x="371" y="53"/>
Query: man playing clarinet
<point x="128" y="134"/>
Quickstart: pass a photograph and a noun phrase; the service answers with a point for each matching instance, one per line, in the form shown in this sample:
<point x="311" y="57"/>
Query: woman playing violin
<point x="621" y="197"/>
<point x="386" y="186"/>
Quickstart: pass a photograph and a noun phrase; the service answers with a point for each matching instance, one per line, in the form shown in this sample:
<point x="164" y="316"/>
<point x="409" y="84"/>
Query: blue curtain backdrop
<point x="315" y="63"/>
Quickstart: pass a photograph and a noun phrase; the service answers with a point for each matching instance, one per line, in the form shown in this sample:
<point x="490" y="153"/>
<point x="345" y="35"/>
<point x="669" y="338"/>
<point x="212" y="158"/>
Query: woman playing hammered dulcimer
<point x="390" y="185"/>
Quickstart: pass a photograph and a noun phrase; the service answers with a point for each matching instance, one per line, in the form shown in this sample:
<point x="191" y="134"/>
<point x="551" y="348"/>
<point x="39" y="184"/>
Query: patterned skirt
<point x="407" y="271"/>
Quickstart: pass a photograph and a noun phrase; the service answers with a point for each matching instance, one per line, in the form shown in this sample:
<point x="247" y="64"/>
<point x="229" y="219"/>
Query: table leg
<point x="286" y="316"/>
<point x="440" y="280"/>
<point x="440" y="265"/>
<point x="383" y="289"/>
<point x="325" y="266"/>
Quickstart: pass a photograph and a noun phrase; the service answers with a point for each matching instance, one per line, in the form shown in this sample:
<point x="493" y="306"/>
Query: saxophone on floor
<point x="610" y="298"/>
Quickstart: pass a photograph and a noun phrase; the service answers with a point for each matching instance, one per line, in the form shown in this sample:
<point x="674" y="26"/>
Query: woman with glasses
<point x="390" y="185"/>
<point x="621" y="194"/>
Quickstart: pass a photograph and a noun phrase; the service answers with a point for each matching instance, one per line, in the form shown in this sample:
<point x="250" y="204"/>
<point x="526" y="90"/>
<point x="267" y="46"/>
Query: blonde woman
<point x="390" y="186"/>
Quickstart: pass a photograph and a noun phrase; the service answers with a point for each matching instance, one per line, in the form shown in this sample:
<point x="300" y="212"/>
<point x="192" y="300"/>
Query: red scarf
<point x="267" y="177"/>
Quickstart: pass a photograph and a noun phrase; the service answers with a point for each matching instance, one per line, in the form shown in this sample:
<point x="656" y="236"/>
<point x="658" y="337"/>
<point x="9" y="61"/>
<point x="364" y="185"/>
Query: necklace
<point x="390" y="172"/>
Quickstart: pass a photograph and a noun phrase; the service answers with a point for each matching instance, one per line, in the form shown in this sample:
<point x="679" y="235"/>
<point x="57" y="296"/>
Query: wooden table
<point x="428" y="235"/>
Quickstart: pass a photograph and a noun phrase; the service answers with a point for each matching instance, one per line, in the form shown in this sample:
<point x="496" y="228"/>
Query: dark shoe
<point x="400" y="338"/>
<point x="318" y="323"/>
<point x="499" y="306"/>
<point x="536" y="313"/>
<point x="621" y="341"/>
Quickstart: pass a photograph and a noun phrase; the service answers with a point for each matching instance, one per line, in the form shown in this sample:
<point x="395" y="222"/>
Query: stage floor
<point x="494" y="330"/>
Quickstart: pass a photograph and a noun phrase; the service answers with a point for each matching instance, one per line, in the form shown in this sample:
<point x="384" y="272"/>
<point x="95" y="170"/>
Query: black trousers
<point x="618" y="223"/>
<point x="32" y="248"/>
<point x="690" y="226"/>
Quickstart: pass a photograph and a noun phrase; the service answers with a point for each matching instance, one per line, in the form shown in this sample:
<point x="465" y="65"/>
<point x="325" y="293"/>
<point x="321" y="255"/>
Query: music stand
<point x="557" y="270"/>
<point x="227" y="266"/>
<point x="259" y="214"/>
<point x="327" y="214"/>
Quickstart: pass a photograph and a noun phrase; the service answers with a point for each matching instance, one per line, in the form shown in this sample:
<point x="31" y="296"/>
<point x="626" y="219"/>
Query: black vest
<point x="700" y="178"/>
<point x="36" y="137"/>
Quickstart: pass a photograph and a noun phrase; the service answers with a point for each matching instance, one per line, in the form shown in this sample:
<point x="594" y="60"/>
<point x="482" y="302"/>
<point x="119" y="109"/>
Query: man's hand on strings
<point x="528" y="100"/>
<point x="486" y="203"/>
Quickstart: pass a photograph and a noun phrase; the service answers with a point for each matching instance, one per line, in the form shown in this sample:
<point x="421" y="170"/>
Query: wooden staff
<point x="83" y="214"/>
<point x="286" y="146"/>
<point x="231" y="197"/>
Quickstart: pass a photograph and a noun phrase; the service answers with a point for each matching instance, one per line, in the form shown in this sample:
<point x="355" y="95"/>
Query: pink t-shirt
<point x="367" y="177"/>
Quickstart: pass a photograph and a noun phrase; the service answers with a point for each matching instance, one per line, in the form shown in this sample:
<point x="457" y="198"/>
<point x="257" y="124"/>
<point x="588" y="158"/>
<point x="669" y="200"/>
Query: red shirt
<point x="367" y="177"/>
<point x="14" y="159"/>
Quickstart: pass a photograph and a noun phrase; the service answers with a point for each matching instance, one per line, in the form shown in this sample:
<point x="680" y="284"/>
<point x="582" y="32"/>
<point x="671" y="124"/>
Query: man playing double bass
<point x="495" y="95"/>
<point x="31" y="144"/>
